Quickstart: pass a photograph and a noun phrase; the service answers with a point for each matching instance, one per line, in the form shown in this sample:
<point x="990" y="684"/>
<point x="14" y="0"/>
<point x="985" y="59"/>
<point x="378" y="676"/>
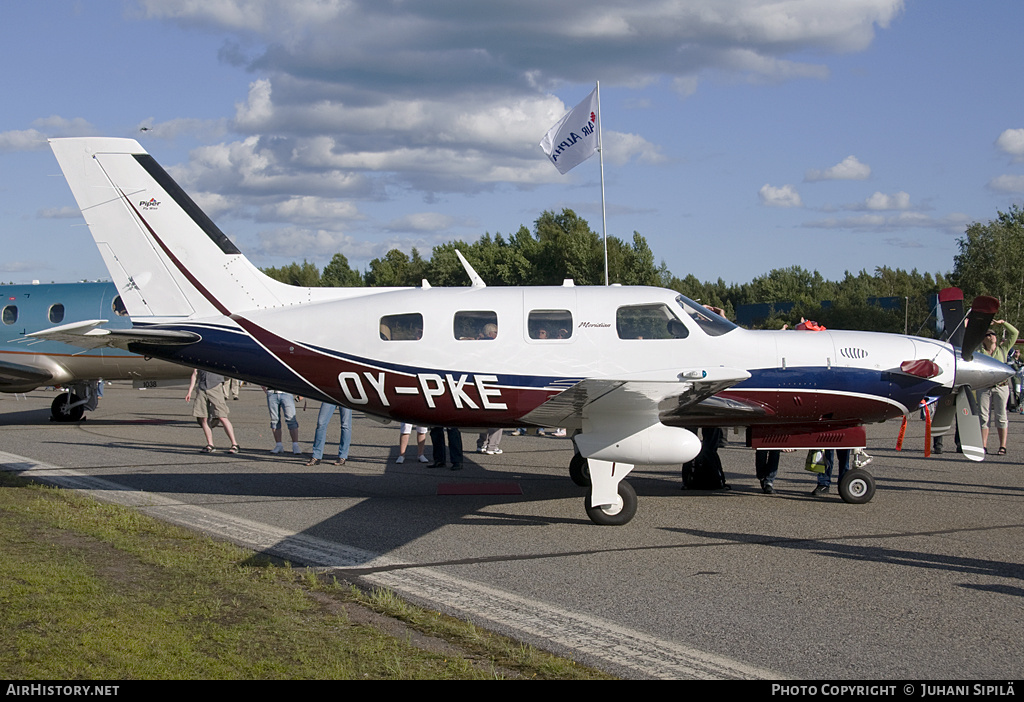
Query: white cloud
<point x="1007" y="184"/>
<point x="881" y="201"/>
<point x="952" y="224"/>
<point x="42" y="129"/>
<point x="423" y="222"/>
<point x="473" y="82"/>
<point x="22" y="140"/>
<point x="292" y="242"/>
<point x="848" y="169"/>
<point x="786" y="196"/>
<point x="1011" y="142"/>
<point x="356" y="100"/>
<point x="307" y="209"/>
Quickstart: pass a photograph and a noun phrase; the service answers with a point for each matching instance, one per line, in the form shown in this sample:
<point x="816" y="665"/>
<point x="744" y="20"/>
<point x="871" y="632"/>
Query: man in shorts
<point x="210" y="402"/>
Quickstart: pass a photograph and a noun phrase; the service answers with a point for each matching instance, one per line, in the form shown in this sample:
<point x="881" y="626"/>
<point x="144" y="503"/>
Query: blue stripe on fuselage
<point x="899" y="387"/>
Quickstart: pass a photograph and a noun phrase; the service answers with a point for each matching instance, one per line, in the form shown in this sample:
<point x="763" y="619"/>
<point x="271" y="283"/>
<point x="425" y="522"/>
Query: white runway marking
<point x="646" y="656"/>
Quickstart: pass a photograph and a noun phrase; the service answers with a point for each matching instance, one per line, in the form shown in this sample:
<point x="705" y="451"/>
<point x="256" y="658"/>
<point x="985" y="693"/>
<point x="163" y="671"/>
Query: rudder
<point x="167" y="258"/>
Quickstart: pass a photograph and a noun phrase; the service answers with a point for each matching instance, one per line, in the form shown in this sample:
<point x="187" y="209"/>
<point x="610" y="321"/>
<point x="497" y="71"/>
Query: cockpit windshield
<point x="712" y="323"/>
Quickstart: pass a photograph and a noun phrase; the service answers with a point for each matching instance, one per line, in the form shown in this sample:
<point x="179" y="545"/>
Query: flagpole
<point x="600" y="152"/>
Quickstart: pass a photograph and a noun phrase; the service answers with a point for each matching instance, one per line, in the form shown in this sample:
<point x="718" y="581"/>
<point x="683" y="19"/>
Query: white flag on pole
<point x="573" y="139"/>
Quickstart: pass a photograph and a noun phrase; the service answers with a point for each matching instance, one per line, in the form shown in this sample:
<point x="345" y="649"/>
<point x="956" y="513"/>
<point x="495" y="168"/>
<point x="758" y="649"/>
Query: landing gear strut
<point x="618" y="498"/>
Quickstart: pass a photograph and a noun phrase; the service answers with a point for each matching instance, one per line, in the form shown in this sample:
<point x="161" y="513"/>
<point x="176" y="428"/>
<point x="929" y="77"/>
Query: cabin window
<point x="549" y="324"/>
<point x="711" y="322"/>
<point x="402" y="327"/>
<point x="56" y="314"/>
<point x="653" y="321"/>
<point x="118" y="307"/>
<point x="10" y="314"/>
<point x="474" y="325"/>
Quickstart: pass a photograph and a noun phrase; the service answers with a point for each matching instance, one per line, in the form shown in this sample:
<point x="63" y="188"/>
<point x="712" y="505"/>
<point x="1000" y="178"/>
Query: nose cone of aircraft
<point x="981" y="371"/>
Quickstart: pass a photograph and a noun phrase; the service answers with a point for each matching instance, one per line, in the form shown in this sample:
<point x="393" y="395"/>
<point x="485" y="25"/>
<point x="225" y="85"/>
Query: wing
<point x="17" y="375"/>
<point x="88" y="335"/>
<point x="655" y="400"/>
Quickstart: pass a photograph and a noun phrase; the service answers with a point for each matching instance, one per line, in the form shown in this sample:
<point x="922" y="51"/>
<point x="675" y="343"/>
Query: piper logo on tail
<point x="150" y="204"/>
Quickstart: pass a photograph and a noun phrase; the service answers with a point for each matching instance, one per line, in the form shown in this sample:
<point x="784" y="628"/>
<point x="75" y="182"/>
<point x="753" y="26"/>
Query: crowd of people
<point x="209" y="393"/>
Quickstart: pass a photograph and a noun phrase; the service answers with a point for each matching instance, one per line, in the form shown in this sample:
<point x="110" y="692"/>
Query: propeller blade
<point x="969" y="425"/>
<point x="951" y="301"/>
<point x="983" y="311"/>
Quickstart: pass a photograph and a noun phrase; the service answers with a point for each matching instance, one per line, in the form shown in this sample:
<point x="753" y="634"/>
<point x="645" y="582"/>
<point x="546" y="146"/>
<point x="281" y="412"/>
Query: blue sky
<point x="740" y="136"/>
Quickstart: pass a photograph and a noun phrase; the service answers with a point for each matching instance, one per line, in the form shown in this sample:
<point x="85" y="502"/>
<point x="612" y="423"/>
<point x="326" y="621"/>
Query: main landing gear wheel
<point x="61" y="409"/>
<point x="857" y="487"/>
<point x="579" y="470"/>
<point x="614" y="515"/>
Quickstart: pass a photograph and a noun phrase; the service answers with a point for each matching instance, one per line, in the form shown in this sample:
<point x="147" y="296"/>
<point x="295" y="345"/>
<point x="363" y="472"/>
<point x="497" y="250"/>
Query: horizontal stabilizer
<point x="89" y="335"/>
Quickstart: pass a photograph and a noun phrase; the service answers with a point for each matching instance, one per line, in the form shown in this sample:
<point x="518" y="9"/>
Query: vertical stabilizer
<point x="167" y="258"/>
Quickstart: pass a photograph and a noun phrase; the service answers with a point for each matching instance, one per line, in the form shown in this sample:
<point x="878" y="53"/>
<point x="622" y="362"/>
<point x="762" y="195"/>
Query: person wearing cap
<point x="995" y="398"/>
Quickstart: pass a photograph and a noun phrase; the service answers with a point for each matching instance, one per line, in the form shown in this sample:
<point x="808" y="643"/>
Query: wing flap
<point x="597" y="397"/>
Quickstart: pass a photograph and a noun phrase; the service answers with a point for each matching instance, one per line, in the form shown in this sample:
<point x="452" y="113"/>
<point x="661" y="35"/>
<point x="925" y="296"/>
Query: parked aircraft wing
<point x="89" y="335"/>
<point x="596" y="396"/>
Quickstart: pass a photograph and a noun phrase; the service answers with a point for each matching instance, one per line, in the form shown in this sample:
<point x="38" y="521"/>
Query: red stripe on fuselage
<point x="429" y="398"/>
<point x="458" y="399"/>
<point x="786" y="406"/>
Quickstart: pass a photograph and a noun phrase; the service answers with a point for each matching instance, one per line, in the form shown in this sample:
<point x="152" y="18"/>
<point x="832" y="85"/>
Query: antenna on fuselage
<point x="478" y="282"/>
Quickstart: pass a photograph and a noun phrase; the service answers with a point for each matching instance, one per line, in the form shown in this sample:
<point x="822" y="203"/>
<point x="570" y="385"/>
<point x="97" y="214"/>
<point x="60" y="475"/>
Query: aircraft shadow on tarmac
<point x="41" y="417"/>
<point x="397" y="503"/>
<point x="881" y="554"/>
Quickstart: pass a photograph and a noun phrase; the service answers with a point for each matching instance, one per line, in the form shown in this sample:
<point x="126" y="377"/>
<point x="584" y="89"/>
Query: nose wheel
<point x="615" y="514"/>
<point x="857" y="486"/>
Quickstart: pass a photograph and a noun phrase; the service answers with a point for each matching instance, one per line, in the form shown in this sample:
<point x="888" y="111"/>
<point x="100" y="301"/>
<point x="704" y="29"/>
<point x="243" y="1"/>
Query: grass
<point x="92" y="591"/>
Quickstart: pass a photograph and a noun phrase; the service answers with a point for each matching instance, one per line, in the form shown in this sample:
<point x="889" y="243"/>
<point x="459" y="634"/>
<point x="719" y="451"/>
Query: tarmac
<point x="922" y="583"/>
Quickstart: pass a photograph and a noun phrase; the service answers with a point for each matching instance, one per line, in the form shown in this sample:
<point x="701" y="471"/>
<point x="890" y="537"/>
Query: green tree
<point x="338" y="274"/>
<point x="305" y="275"/>
<point x="991" y="262"/>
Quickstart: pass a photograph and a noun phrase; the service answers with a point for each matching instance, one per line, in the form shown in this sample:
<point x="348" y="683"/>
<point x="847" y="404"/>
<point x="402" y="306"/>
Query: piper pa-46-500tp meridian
<point x="625" y="368"/>
<point x="28" y="359"/>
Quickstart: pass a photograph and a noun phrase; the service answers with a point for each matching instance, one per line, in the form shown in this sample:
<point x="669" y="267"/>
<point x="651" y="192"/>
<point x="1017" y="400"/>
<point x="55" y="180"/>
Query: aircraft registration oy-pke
<point x="627" y="369"/>
<point x="28" y="362"/>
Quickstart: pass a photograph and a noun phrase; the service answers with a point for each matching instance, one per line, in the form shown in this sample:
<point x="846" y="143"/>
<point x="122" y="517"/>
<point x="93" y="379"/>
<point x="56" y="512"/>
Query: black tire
<point x="579" y="470"/>
<point x="615" y="515"/>
<point x="857" y="487"/>
<point x="60" y="410"/>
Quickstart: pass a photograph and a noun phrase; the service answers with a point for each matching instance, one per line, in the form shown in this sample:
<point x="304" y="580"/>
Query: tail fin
<point x="167" y="258"/>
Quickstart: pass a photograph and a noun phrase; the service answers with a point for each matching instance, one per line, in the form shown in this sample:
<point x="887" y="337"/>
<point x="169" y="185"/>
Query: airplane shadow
<point x="391" y="505"/>
<point x="881" y="554"/>
<point x="395" y="504"/>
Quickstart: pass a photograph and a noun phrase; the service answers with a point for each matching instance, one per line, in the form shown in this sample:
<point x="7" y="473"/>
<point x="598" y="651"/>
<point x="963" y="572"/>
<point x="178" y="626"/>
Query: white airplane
<point x="29" y="360"/>
<point x="625" y="368"/>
